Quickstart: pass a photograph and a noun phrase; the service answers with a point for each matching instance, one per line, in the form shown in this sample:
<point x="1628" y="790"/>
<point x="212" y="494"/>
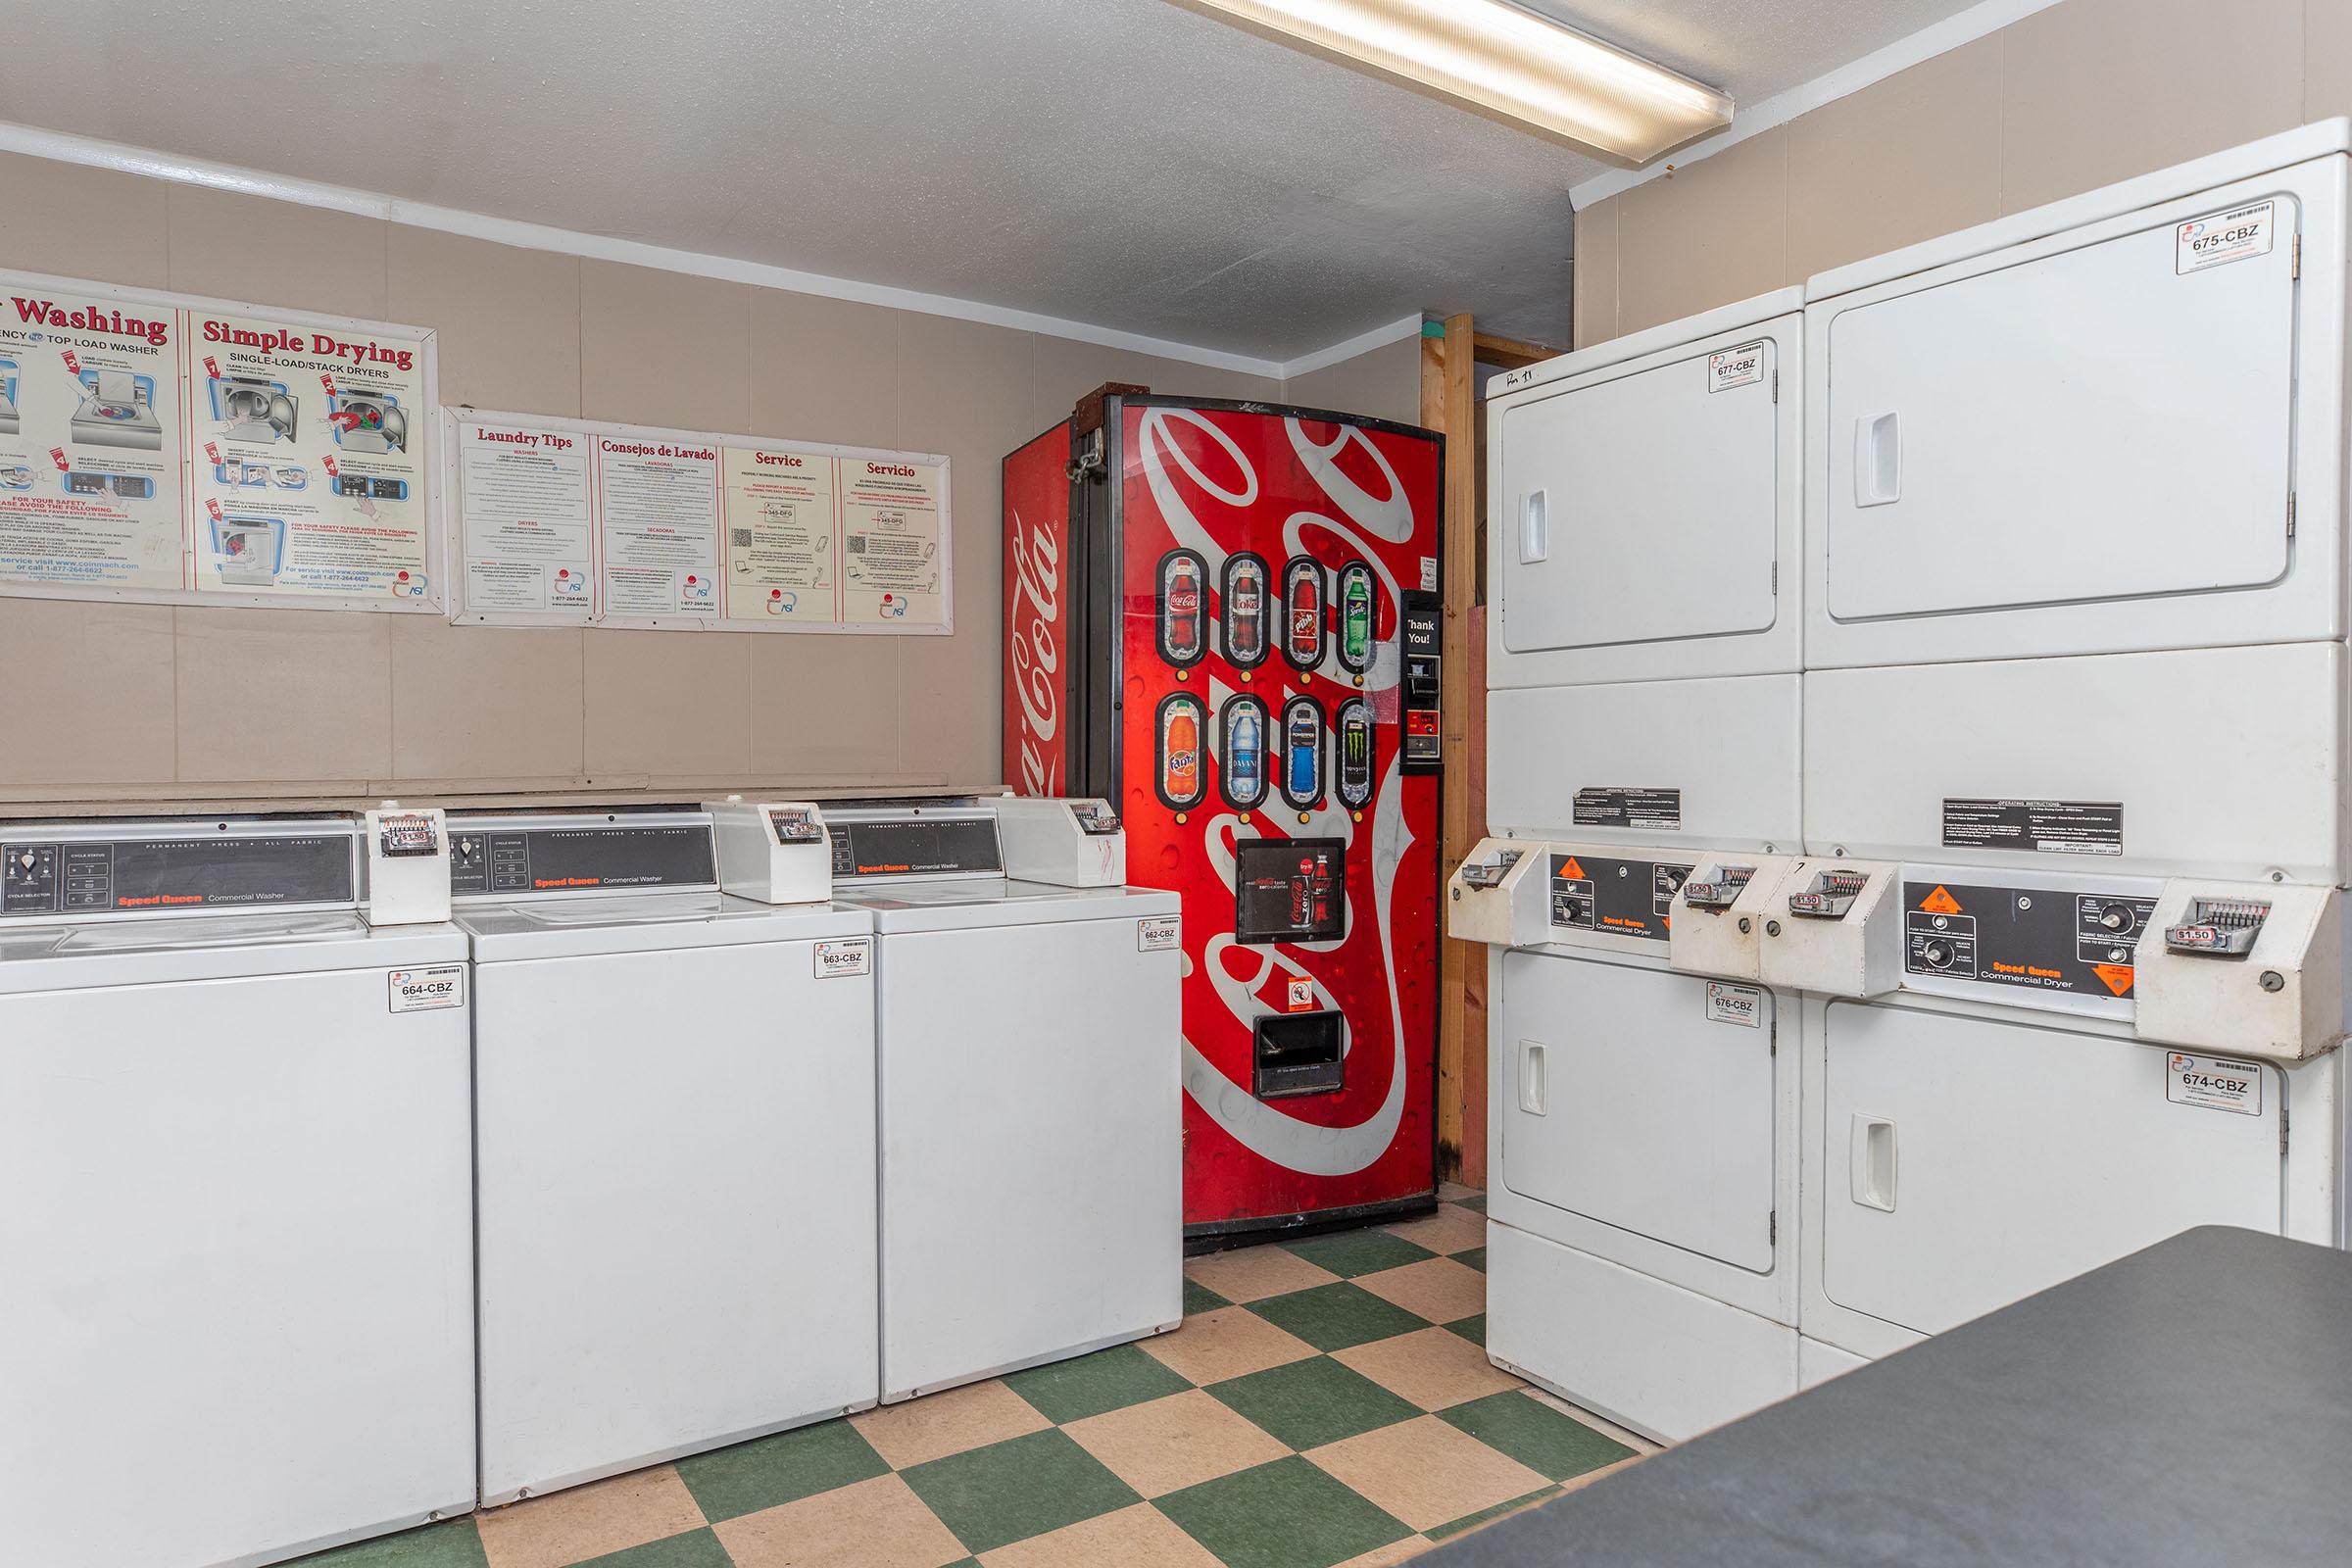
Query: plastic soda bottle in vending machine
<point x="1356" y="618"/>
<point x="1183" y="773"/>
<point x="1181" y="610"/>
<point x="1245" y="612"/>
<point x="1246" y="755"/>
<point x="1303" y="588"/>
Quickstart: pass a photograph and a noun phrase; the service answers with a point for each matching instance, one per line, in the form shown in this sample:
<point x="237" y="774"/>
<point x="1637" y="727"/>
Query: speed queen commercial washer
<point x="675" y="1141"/>
<point x="1029" y="1049"/>
<point x="237" y="1283"/>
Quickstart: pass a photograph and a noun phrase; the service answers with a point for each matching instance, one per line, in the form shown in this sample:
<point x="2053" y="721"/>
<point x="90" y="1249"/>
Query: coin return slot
<point x="1719" y="889"/>
<point x="2217" y="928"/>
<point x="1832" y="894"/>
<point x="1299" y="1054"/>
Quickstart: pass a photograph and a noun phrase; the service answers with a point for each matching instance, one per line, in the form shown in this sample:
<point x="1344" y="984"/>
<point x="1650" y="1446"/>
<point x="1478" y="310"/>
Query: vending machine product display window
<point x="1245" y="611"/>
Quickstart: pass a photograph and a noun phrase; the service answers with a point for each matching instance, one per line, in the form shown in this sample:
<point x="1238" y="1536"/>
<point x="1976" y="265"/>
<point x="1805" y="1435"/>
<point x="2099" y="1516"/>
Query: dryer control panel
<point x="2063" y="943"/>
<point x="1607" y="895"/>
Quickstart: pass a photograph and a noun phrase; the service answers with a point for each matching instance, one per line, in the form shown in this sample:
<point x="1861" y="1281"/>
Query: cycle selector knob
<point x="2117" y="917"/>
<point x="1938" y="953"/>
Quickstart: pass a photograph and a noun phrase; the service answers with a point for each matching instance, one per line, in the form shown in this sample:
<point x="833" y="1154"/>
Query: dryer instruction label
<point x="2053" y="827"/>
<point x="2220" y="238"/>
<point x="424" y="990"/>
<point x="2215" y="1083"/>
<point x="1653" y="809"/>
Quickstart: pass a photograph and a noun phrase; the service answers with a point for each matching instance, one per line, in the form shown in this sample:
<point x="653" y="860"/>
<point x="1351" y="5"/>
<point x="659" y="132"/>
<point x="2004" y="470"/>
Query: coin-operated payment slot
<point x="1717" y="919"/>
<point x="1832" y="927"/>
<point x="2217" y="928"/>
<point x="1299" y="1054"/>
<point x="1068" y="842"/>
<point x="408" y="867"/>
<point x="777" y="851"/>
<point x="1498" y="896"/>
<point x="2247" y="969"/>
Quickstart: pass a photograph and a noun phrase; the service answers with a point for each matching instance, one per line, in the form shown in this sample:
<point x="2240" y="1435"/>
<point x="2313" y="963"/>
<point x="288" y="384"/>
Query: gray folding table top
<point x="2189" y="1404"/>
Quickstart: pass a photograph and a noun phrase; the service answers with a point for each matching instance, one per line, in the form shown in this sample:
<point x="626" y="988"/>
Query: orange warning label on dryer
<point x="1941" y="902"/>
<point x="2115" y="977"/>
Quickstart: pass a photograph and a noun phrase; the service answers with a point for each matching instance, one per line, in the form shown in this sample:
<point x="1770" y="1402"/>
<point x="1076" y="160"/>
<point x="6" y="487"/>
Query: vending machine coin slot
<point x="1299" y="1054"/>
<point x="2217" y="928"/>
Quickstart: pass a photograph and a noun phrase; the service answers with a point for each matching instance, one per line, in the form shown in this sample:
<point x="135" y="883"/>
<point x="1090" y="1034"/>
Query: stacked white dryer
<point x="2074" y="749"/>
<point x="1642" y="732"/>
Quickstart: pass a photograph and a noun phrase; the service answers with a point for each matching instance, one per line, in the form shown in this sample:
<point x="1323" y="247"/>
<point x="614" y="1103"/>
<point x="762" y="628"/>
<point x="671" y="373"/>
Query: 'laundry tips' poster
<point x="574" y="521"/>
<point x="158" y="447"/>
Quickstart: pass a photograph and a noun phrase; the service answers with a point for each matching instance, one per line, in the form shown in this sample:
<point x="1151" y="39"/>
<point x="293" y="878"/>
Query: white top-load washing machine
<point x="236" y="1260"/>
<point x="1031" y="1059"/>
<point x="675" y="1141"/>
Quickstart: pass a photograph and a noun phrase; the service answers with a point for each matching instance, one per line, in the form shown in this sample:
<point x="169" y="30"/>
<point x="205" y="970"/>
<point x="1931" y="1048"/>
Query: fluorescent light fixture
<point x="1503" y="61"/>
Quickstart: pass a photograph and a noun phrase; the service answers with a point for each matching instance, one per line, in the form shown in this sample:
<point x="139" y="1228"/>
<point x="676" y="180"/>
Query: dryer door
<point x="2092" y="424"/>
<point x="1969" y="1162"/>
<point x="1643" y="503"/>
<point x="1629" y="1104"/>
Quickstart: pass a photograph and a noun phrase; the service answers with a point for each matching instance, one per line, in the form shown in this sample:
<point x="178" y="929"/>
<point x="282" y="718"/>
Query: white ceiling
<point x="1127" y="164"/>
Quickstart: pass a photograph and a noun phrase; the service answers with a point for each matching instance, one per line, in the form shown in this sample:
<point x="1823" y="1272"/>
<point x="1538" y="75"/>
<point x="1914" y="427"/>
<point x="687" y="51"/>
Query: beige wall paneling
<point x="506" y="319"/>
<point x="2327" y="59"/>
<point x="486" y="702"/>
<point x="1901" y="161"/>
<point x="960" y="386"/>
<point x="1710" y="234"/>
<point x="669" y="705"/>
<point x="1067" y="370"/>
<point x="279" y="697"/>
<point x="132" y="246"/>
<point x="85" y="696"/>
<point x="663" y="348"/>
<point x="1382" y="383"/>
<point x="2101" y="90"/>
<point x="824" y="371"/>
<point x="828" y="707"/>
<point x="248" y="248"/>
<point x="1592" y="274"/>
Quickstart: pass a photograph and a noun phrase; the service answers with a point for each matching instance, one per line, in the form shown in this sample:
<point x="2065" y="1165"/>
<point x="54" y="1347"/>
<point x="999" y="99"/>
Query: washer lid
<point x="966" y="905"/>
<point x="213" y="947"/>
<point x="601" y="923"/>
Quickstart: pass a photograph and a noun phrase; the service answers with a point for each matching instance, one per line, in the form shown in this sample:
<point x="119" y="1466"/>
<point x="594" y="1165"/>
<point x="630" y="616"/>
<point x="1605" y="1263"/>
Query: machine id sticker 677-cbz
<point x="1208" y="611"/>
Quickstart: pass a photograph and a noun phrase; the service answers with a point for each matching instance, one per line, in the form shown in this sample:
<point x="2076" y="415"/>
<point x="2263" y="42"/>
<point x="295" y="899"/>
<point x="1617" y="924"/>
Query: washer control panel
<point x="76" y="870"/>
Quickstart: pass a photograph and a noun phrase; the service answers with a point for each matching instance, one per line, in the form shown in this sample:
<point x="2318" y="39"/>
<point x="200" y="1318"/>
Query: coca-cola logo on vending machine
<point x="1034" y="650"/>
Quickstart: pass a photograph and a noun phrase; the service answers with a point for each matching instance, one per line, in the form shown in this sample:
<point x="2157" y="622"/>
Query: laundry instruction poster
<point x="528" y="545"/>
<point x="657" y="517"/>
<point x="693" y="529"/>
<point x="154" y="445"/>
<point x="893" y="542"/>
<point x="307" y="456"/>
<point x="90" y="472"/>
<point x="782" y="536"/>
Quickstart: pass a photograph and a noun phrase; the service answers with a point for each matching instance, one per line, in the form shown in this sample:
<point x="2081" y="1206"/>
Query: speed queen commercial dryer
<point x="675" y="1141"/>
<point x="1032" y="1111"/>
<point x="236" y="1285"/>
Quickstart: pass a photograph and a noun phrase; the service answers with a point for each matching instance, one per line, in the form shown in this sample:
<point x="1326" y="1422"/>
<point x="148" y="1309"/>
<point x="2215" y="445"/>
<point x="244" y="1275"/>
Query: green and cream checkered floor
<point x="1326" y="1402"/>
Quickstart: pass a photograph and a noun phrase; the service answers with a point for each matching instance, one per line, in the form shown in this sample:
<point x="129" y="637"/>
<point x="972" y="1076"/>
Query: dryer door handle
<point x="1877" y="460"/>
<point x="1535" y="538"/>
<point x="1871" y="1178"/>
<point x="1531" y="1077"/>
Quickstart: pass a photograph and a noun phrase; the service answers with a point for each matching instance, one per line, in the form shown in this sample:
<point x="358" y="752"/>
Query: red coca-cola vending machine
<point x="1223" y="618"/>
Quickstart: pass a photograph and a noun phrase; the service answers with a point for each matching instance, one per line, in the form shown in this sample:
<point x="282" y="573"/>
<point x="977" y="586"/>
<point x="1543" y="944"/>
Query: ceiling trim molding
<point x="1953" y="31"/>
<point x="91" y="152"/>
<point x="1362" y="343"/>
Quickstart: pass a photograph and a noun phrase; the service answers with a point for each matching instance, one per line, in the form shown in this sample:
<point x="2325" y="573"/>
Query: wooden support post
<point x="1448" y="403"/>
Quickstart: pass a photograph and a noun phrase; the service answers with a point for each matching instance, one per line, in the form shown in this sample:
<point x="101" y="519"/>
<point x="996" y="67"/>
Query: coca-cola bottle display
<point x="1180" y="576"/>
<point x="1180" y="779"/>
<point x="1246" y="611"/>
<point x="1355" y="616"/>
<point x="1242" y="778"/>
<point x="1302" y="613"/>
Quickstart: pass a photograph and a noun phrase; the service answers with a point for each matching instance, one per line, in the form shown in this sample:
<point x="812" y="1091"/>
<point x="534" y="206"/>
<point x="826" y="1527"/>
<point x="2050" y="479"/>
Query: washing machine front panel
<point x="1638" y="1101"/>
<point x="1647" y="504"/>
<point x="2118" y="435"/>
<point x="236" y="1288"/>
<point x="676" y="1247"/>
<point x="1969" y="1162"/>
